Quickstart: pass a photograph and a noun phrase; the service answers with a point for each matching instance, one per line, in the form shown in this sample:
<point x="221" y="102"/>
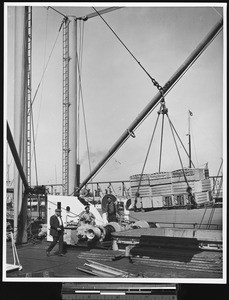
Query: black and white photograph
<point x="115" y="144"/>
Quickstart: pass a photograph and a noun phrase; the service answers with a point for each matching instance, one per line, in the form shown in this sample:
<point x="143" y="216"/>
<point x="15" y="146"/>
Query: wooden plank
<point x="166" y="241"/>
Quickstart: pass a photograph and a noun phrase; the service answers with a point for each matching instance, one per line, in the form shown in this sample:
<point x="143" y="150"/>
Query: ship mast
<point x="189" y="140"/>
<point x="22" y="115"/>
<point x="70" y="165"/>
<point x="69" y="132"/>
<point x="152" y="104"/>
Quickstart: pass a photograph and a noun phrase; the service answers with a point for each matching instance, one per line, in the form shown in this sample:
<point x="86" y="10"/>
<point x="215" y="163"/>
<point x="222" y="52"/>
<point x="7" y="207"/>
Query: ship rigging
<point x="71" y="81"/>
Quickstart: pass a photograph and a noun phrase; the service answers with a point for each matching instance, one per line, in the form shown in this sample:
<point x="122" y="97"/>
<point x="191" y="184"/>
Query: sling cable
<point x="164" y="111"/>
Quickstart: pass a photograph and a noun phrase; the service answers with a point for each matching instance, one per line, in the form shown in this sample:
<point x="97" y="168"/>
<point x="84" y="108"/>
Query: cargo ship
<point x="139" y="238"/>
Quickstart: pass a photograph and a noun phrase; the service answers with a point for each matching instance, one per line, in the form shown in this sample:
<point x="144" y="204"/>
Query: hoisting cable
<point x="147" y="154"/>
<point x="163" y="110"/>
<point x="178" y="153"/>
<point x="156" y="84"/>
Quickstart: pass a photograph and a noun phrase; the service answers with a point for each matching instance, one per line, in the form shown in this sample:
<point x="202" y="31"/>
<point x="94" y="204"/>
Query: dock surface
<point x="159" y="264"/>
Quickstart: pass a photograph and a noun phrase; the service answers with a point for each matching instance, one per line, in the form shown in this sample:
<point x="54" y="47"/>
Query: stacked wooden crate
<point x="140" y="183"/>
<point x="161" y="189"/>
<point x="197" y="180"/>
<point x="168" y="189"/>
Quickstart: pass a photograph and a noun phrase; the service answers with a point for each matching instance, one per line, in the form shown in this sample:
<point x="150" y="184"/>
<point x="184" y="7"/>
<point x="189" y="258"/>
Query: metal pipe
<point x="166" y="88"/>
<point x="16" y="157"/>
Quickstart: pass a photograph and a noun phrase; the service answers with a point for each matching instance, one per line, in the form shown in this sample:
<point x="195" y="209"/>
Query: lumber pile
<point x="101" y="270"/>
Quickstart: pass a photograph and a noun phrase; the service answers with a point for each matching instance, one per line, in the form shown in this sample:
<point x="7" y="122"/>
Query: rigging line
<point x="217" y="175"/>
<point x="46" y="31"/>
<point x="162" y="129"/>
<point x="194" y="146"/>
<point x="80" y="71"/>
<point x="79" y="93"/>
<point x="79" y="66"/>
<point x="177" y="151"/>
<point x="151" y="140"/>
<point x="217" y="12"/>
<point x="160" y="88"/>
<point x="210" y="217"/>
<point x="84" y="115"/>
<point x="181" y="143"/>
<point x="203" y="217"/>
<point x="213" y="208"/>
<point x="34" y="148"/>
<point x="58" y="12"/>
<point x="46" y="66"/>
<point x="191" y="63"/>
<point x="180" y="76"/>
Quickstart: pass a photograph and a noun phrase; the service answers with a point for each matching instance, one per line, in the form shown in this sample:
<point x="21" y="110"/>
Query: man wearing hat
<point x="87" y="217"/>
<point x="57" y="232"/>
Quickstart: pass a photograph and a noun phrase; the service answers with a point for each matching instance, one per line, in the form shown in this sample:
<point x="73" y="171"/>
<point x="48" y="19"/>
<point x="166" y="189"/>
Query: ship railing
<point x="188" y="225"/>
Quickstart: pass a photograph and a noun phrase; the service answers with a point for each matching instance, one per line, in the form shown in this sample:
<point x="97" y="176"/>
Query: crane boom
<point x="166" y="88"/>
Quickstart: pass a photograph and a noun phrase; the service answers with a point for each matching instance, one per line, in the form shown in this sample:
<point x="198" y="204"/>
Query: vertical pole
<point x="65" y="128"/>
<point x="20" y="110"/>
<point x="72" y="104"/>
<point x="29" y="89"/>
<point x="189" y="141"/>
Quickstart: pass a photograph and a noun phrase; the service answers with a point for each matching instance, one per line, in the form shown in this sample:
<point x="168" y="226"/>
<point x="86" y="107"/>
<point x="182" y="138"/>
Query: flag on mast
<point x="191" y="114"/>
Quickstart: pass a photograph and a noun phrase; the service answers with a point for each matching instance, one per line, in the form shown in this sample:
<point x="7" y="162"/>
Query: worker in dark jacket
<point x="111" y="211"/>
<point x="57" y="232"/>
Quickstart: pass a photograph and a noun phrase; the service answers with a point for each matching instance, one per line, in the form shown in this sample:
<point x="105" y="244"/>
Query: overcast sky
<point x="115" y="89"/>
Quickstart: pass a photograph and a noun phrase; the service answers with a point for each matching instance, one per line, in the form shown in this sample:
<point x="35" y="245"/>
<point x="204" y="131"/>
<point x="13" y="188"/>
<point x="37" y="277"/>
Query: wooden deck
<point x="156" y="263"/>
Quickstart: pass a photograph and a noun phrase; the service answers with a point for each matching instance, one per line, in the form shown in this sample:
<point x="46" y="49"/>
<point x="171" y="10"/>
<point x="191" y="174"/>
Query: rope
<point x="213" y="209"/>
<point x="217" y="12"/>
<point x="217" y="175"/>
<point x="178" y="151"/>
<point x="35" y="135"/>
<point x="162" y="128"/>
<point x="210" y="217"/>
<point x="193" y="61"/>
<point x="84" y="114"/>
<point x="79" y="67"/>
<point x="34" y="148"/>
<point x="80" y="70"/>
<point x="46" y="30"/>
<point x="46" y="66"/>
<point x="57" y="11"/>
<point x="151" y="140"/>
<point x="181" y="143"/>
<point x="160" y="88"/>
